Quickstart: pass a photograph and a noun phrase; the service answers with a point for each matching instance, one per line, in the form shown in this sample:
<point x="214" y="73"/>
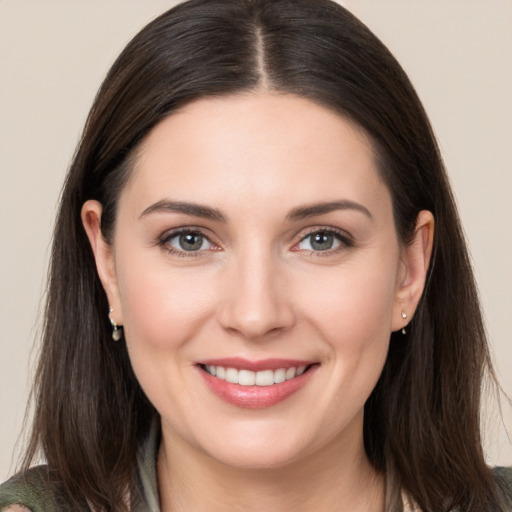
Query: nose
<point x="256" y="301"/>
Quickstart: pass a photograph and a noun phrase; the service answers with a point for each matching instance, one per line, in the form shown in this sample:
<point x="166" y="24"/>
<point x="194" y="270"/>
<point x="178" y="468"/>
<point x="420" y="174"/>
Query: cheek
<point x="162" y="313"/>
<point x="354" y="306"/>
<point x="162" y="307"/>
<point x="352" y="313"/>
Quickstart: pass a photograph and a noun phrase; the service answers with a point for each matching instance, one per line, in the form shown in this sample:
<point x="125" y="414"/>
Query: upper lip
<point x="240" y="363"/>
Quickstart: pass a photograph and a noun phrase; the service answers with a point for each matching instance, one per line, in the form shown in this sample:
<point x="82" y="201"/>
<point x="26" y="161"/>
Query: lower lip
<point x="256" y="397"/>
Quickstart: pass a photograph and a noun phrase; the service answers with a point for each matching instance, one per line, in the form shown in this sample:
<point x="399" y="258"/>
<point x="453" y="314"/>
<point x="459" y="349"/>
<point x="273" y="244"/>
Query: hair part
<point x="422" y="420"/>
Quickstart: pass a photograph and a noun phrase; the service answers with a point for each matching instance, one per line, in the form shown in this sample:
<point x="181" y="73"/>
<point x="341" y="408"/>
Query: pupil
<point x="322" y="241"/>
<point x="191" y="242"/>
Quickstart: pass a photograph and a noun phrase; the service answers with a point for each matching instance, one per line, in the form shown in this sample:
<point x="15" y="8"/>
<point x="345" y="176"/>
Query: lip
<point x="256" y="397"/>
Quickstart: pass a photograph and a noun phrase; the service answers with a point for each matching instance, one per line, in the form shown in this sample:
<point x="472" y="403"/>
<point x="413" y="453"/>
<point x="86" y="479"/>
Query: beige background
<point x="54" y="53"/>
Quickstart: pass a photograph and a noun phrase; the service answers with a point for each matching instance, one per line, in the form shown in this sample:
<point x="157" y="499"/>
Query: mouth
<point x="256" y="385"/>
<point x="255" y="378"/>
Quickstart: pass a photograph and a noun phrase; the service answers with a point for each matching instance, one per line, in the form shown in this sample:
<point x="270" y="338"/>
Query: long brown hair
<point x="422" y="420"/>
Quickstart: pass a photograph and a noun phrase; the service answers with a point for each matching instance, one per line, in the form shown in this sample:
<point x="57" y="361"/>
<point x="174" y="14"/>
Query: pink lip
<point x="255" y="397"/>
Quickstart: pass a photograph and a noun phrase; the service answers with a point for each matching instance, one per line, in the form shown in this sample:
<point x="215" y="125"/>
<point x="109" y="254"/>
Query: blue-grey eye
<point x="319" y="241"/>
<point x="189" y="241"/>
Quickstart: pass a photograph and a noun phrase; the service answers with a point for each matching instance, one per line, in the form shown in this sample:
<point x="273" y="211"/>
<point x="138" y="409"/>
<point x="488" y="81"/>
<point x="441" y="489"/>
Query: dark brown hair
<point x="422" y="420"/>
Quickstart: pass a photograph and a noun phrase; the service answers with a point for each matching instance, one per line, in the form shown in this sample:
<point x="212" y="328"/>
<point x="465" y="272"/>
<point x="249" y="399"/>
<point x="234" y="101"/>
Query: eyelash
<point x="168" y="236"/>
<point x="345" y="241"/>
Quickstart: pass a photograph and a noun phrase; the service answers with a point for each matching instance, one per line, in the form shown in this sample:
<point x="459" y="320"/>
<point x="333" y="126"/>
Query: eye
<point x="186" y="241"/>
<point x="322" y="241"/>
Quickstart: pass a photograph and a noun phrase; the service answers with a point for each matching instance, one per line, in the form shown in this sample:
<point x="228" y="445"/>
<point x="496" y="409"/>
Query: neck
<point x="339" y="478"/>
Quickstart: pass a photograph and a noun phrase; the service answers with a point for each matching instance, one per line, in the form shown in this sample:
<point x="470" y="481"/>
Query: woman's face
<point x="255" y="243"/>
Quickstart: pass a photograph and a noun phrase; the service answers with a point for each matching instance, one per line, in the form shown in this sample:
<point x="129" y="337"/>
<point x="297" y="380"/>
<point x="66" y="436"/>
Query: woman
<point x="260" y="295"/>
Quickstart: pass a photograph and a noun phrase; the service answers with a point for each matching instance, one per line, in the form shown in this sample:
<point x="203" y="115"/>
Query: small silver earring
<point x="404" y="316"/>
<point x="117" y="331"/>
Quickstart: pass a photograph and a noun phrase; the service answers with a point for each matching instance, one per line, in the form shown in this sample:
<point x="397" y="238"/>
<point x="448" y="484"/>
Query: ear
<point x="414" y="262"/>
<point x="103" y="256"/>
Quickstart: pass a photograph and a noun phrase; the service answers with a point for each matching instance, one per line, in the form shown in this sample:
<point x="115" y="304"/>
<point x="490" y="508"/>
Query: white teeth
<point x="250" y="378"/>
<point x="265" y="378"/>
<point x="232" y="375"/>
<point x="290" y="373"/>
<point x="279" y="375"/>
<point x="246" y="378"/>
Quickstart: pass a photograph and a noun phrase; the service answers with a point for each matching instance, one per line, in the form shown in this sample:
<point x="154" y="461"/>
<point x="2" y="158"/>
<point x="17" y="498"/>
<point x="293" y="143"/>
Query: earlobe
<point x="415" y="260"/>
<point x="103" y="255"/>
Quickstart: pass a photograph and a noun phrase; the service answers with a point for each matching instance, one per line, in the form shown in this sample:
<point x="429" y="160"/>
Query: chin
<point x="250" y="459"/>
<point x="270" y="447"/>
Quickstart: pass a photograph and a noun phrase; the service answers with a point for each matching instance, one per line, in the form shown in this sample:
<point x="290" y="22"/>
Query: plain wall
<point x="54" y="54"/>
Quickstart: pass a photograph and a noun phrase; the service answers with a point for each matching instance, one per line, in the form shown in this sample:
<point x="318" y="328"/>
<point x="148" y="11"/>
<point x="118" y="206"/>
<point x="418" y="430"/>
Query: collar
<point x="146" y="465"/>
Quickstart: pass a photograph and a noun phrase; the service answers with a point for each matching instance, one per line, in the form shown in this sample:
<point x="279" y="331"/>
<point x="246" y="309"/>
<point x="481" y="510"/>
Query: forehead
<point x="255" y="146"/>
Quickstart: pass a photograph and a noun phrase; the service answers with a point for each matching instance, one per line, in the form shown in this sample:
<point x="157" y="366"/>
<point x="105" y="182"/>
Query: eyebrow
<point x="304" y="212"/>
<point x="197" y="210"/>
<point x="207" y="212"/>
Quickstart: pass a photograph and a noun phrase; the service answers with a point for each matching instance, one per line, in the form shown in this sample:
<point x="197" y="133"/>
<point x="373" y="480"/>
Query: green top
<point x="32" y="490"/>
<point x="36" y="490"/>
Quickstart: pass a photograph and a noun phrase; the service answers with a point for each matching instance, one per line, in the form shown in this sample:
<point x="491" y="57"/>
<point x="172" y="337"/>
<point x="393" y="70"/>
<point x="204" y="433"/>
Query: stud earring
<point x="404" y="316"/>
<point x="117" y="331"/>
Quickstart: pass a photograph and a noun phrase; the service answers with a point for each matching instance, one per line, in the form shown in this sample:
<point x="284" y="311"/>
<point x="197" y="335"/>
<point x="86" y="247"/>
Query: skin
<point x="258" y="289"/>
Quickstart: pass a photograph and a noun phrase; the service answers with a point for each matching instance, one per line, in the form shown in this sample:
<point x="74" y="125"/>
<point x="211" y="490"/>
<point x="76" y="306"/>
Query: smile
<point x="252" y="378"/>
<point x="255" y="385"/>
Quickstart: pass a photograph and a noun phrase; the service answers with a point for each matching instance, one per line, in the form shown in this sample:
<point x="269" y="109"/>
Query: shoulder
<point x="503" y="473"/>
<point x="503" y="476"/>
<point x="34" y="490"/>
<point x="27" y="490"/>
